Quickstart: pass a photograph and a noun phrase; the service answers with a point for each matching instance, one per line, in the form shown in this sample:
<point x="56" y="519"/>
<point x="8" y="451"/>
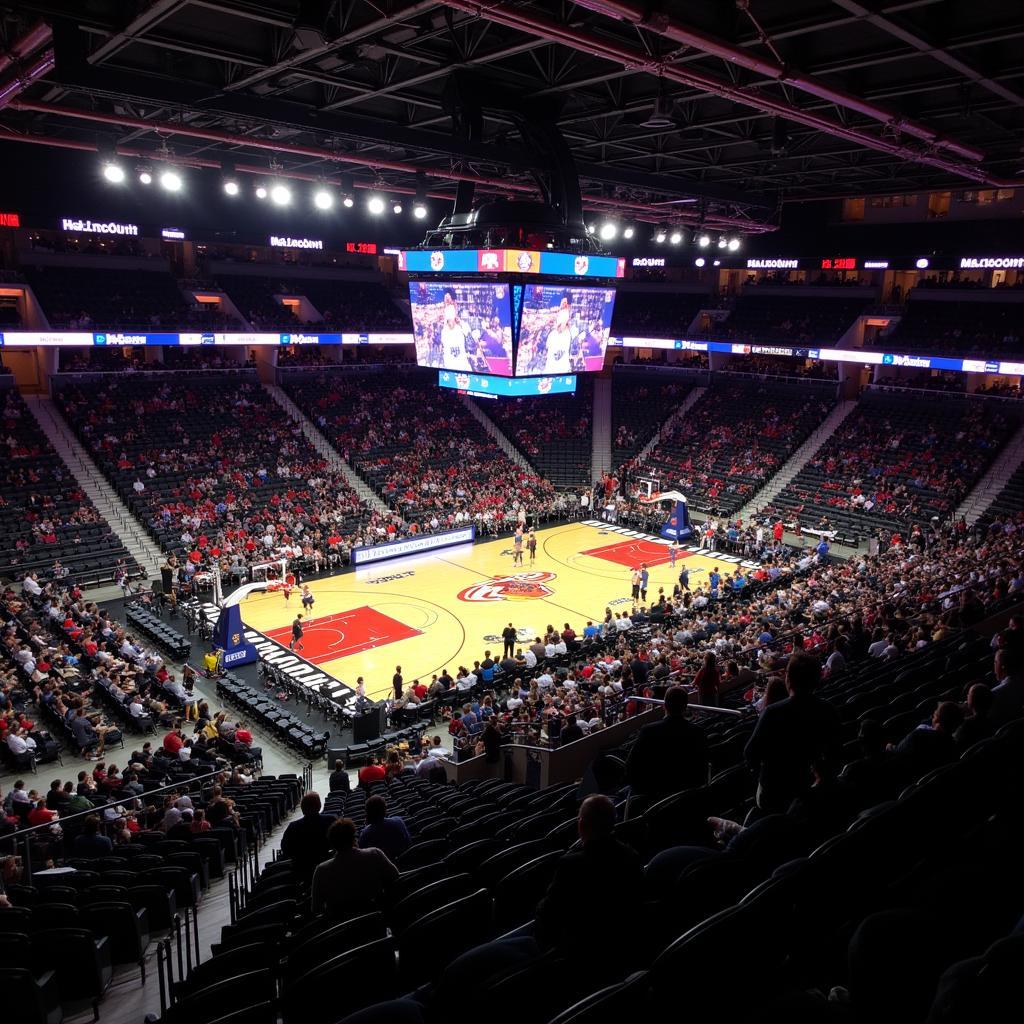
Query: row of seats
<point x="154" y="627"/>
<point x="639" y="408"/>
<point x="44" y="516"/>
<point x="552" y="431"/>
<point x="962" y="327"/>
<point x="91" y="298"/>
<point x="282" y="724"/>
<point x="215" y="444"/>
<point x="906" y="456"/>
<point x="734" y="439"/>
<point x="760" y="318"/>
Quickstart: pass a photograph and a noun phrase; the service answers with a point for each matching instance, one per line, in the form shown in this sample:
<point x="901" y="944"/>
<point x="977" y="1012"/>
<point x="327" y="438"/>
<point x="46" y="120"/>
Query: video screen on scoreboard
<point x="462" y="326"/>
<point x="563" y="329"/>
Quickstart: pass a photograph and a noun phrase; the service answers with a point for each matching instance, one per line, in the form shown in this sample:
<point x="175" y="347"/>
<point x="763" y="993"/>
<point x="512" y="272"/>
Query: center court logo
<point x="520" y="586"/>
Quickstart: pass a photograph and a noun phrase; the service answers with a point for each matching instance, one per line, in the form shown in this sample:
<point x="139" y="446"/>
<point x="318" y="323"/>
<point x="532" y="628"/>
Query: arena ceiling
<point x="714" y="112"/>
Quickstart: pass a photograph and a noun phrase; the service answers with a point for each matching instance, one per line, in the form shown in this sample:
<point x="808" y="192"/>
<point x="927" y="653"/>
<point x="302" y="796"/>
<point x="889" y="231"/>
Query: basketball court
<point x="443" y="609"/>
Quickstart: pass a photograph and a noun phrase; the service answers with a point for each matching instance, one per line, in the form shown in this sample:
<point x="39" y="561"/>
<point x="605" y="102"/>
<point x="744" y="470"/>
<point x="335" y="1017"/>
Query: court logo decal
<point x="520" y="586"/>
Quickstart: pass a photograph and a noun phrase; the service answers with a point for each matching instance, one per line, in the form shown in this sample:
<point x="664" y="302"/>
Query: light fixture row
<point x="277" y="191"/>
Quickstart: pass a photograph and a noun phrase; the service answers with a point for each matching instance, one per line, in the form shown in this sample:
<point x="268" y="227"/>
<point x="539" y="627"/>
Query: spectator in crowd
<point x="387" y="834"/>
<point x="569" y="917"/>
<point x="930" y="745"/>
<point x="91" y="843"/>
<point x="352" y="875"/>
<point x="338" y="781"/>
<point x="1008" y="693"/>
<point x="305" y="839"/>
<point x="668" y="755"/>
<point x="792" y="736"/>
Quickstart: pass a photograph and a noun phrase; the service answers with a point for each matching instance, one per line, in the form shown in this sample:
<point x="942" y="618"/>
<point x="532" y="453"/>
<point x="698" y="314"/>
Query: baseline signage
<point x="509" y="261"/>
<point x="863" y="356"/>
<point x="412" y="545"/>
<point x="480" y="385"/>
<point x="112" y="339"/>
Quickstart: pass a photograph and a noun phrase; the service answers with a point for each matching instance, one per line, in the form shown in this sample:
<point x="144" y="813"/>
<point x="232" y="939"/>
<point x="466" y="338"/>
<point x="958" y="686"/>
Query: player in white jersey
<point x="559" y="340"/>
<point x="453" y="337"/>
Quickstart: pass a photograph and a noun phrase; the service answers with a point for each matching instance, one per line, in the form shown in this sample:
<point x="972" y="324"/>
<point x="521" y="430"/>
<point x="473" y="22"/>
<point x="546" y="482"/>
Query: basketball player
<point x="307" y="598"/>
<point x="517" y="546"/>
<point x="635" y="580"/>
<point x="296" y="641"/>
<point x="531" y="544"/>
<point x="289" y="584"/>
<point x="644" y="579"/>
<point x="673" y="552"/>
<point x="684" y="578"/>
<point x="453" y="337"/>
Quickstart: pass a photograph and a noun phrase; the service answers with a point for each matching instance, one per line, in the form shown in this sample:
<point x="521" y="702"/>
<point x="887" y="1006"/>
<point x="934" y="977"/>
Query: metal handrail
<point x="693" y="707"/>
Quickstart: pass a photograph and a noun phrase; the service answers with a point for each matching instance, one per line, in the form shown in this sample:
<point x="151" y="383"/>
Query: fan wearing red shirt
<point x="374" y="772"/>
<point x="40" y="814"/>
<point x="173" y="742"/>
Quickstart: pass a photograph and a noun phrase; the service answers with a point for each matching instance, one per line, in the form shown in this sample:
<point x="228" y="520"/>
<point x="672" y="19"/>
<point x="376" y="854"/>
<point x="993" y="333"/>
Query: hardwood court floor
<point x="443" y="609"/>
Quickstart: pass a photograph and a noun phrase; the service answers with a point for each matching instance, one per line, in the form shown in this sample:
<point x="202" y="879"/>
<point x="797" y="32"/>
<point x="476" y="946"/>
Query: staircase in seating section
<point x="797" y="460"/>
<point x="673" y="417"/>
<point x="987" y="489"/>
<point x="495" y="431"/>
<point x="132" y="533"/>
<point x="326" y="449"/>
<point x="601" y="429"/>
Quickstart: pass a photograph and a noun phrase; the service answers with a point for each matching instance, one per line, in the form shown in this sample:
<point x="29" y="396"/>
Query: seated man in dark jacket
<point x="592" y="896"/>
<point x="670" y="755"/>
<point x="305" y="839"/>
<point x="791" y="737"/>
<point x="929" y="746"/>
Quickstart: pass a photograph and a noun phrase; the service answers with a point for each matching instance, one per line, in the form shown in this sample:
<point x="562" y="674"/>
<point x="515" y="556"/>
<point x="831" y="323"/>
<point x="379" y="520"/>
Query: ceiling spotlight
<point x="734" y="244"/>
<point x="375" y="205"/>
<point x="231" y="187"/>
<point x="397" y="208"/>
<point x="717" y="263"/>
<point x="261" y="191"/>
<point x="676" y="237"/>
<point x="628" y="233"/>
<point x="921" y="264"/>
<point x="704" y="241"/>
<point x="419" y="211"/>
<point x="145" y="176"/>
<point x="171" y="180"/>
<point x="591" y="228"/>
<point x="348" y="202"/>
<point x="722" y="241"/>
<point x="322" y="199"/>
<point x="114" y="173"/>
<point x="608" y="231"/>
<point x="661" y="233"/>
<point x="699" y="261"/>
<point x="281" y="195"/>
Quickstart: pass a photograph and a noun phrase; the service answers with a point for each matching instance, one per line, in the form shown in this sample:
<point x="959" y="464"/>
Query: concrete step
<point x="131" y="532"/>
<point x="325" y="448"/>
<point x="798" y="459"/>
<point x="495" y="431"/>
